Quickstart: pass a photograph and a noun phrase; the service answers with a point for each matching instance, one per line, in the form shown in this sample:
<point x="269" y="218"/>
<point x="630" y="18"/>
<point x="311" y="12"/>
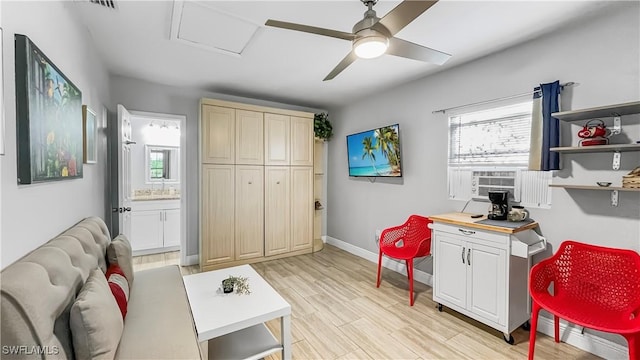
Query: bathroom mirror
<point x="162" y="164"/>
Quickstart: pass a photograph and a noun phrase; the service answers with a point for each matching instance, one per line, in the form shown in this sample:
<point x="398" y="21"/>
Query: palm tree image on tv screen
<point x="375" y="152"/>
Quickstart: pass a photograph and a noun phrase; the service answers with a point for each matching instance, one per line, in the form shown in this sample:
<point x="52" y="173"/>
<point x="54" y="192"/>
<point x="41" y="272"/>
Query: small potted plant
<point x="239" y="283"/>
<point x="322" y="127"/>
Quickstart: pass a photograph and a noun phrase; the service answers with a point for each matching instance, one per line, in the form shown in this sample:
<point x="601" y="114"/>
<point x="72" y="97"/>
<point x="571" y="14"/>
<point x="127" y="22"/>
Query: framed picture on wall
<point x="89" y="131"/>
<point x="48" y="118"/>
<point x="1" y="98"/>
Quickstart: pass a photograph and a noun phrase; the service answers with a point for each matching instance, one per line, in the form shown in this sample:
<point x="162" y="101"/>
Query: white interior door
<point x="124" y="171"/>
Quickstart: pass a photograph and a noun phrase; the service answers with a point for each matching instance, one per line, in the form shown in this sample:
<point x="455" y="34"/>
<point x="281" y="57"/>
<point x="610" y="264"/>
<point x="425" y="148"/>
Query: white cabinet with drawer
<point x="477" y="274"/>
<point x="155" y="226"/>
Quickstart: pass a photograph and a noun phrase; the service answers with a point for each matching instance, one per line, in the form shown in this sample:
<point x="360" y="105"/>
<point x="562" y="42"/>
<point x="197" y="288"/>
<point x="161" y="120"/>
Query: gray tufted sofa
<point x="38" y="290"/>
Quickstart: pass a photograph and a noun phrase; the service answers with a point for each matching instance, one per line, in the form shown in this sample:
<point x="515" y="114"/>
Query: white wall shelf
<point x="601" y="111"/>
<point x="615" y="111"/>
<point x="593" y="187"/>
<point x="597" y="148"/>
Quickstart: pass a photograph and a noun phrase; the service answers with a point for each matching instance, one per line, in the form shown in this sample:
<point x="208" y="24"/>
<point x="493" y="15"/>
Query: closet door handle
<point x="463" y="255"/>
<point x="468" y="257"/>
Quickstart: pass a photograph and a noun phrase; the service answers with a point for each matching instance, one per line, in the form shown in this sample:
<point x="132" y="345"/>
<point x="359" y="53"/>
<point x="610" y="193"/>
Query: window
<point x="158" y="164"/>
<point x="495" y="137"/>
<point x="489" y="149"/>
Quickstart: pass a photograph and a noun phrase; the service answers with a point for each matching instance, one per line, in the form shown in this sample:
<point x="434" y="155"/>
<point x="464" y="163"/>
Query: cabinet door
<point x="218" y="135"/>
<point x="277" y="139"/>
<point x="249" y="212"/>
<point x="487" y="283"/>
<point x="217" y="214"/>
<point x="302" y="208"/>
<point x="249" y="137"/>
<point x="450" y="269"/>
<point x="277" y="210"/>
<point x="146" y="230"/>
<point x="171" y="226"/>
<point x="301" y="141"/>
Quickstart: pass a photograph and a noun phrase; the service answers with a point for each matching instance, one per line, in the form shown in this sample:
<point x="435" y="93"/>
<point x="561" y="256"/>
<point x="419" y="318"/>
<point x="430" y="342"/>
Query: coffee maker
<point x="499" y="207"/>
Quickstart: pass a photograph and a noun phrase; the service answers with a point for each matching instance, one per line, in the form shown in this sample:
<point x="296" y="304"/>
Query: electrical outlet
<point x="378" y="233"/>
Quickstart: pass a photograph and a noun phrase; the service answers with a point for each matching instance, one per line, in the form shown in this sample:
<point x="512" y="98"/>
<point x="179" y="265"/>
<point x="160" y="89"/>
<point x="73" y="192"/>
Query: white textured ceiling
<point x="282" y="65"/>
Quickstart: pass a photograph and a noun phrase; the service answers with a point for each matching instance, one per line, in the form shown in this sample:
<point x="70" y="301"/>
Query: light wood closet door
<point x="249" y="212"/>
<point x="302" y="207"/>
<point x="249" y="137"/>
<point x="277" y="139"/>
<point x="301" y="141"/>
<point x="218" y="135"/>
<point x="277" y="210"/>
<point x="217" y="221"/>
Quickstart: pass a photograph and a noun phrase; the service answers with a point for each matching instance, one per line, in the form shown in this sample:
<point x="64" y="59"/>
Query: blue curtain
<point x="545" y="129"/>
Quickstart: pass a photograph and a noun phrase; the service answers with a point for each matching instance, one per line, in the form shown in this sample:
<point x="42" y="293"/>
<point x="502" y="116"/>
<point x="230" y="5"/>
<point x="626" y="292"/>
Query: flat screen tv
<point x="375" y="153"/>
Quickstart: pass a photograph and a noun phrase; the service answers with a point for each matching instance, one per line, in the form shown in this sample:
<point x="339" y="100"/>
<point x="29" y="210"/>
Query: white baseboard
<point x="397" y="266"/>
<point x="190" y="260"/>
<point x="568" y="333"/>
<point x="572" y="335"/>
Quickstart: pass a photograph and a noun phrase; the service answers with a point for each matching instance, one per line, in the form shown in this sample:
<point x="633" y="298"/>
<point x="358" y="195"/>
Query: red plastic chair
<point x="406" y="242"/>
<point x="593" y="286"/>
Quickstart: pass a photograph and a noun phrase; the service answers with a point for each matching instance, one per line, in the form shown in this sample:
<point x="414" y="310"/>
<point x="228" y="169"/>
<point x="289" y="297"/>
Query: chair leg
<point x="633" y="341"/>
<point x="410" y="276"/>
<point x="556" y="328"/>
<point x="533" y="329"/>
<point x="379" y="268"/>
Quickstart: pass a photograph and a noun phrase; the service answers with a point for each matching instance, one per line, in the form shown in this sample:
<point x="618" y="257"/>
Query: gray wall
<point x="600" y="54"/>
<point x="32" y="214"/>
<point x="140" y="95"/>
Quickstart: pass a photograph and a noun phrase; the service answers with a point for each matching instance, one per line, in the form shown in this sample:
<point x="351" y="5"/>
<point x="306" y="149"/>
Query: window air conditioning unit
<point x="485" y="180"/>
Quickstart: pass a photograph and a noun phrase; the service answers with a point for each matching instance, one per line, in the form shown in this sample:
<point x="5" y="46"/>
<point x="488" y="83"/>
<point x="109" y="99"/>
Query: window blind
<point x="495" y="137"/>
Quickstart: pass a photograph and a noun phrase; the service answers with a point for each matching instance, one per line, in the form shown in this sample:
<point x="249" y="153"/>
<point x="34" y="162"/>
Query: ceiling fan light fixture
<point x="370" y="47"/>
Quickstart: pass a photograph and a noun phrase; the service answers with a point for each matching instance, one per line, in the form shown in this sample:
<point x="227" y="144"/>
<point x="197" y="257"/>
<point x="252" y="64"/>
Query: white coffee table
<point x="232" y="325"/>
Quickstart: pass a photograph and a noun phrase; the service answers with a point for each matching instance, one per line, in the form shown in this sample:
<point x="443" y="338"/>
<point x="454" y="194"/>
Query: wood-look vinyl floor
<point x="338" y="313"/>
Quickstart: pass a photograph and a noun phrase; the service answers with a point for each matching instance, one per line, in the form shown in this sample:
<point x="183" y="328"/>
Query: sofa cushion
<point x="119" y="287"/>
<point x="95" y="320"/>
<point x="119" y="253"/>
<point x="159" y="324"/>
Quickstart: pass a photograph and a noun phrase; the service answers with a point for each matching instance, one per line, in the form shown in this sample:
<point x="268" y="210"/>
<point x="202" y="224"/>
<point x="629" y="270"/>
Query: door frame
<point x="182" y="119"/>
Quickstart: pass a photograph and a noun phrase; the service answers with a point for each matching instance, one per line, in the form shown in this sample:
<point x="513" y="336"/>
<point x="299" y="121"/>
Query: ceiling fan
<point x="373" y="36"/>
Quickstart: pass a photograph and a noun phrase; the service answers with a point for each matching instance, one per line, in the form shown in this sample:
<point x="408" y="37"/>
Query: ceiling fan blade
<point x="406" y="49"/>
<point x="348" y="60"/>
<point x="403" y="14"/>
<point x="311" y="29"/>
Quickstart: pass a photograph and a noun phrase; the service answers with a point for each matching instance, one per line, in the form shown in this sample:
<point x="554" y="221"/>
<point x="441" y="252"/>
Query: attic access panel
<point x="201" y="25"/>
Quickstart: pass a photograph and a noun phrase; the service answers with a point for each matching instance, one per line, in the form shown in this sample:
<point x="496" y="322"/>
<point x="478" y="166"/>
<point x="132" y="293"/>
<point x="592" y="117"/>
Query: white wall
<point x="601" y="54"/>
<point x="141" y="95"/>
<point x="33" y="214"/>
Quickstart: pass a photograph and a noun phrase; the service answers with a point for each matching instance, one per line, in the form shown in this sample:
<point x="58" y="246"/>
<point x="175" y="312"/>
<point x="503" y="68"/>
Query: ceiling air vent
<point x="111" y="4"/>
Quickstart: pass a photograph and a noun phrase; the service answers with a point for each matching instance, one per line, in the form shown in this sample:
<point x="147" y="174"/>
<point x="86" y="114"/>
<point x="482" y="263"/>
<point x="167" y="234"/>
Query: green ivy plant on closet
<point x="322" y="127"/>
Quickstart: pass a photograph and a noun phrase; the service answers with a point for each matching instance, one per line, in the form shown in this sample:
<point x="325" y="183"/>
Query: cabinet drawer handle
<point x="467" y="232"/>
<point x="468" y="256"/>
<point x="463" y="255"/>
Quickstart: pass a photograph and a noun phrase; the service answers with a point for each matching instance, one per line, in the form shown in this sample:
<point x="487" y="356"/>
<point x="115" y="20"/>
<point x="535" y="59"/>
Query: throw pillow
<point x="95" y="320"/>
<point x="119" y="253"/>
<point x="119" y="287"/>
